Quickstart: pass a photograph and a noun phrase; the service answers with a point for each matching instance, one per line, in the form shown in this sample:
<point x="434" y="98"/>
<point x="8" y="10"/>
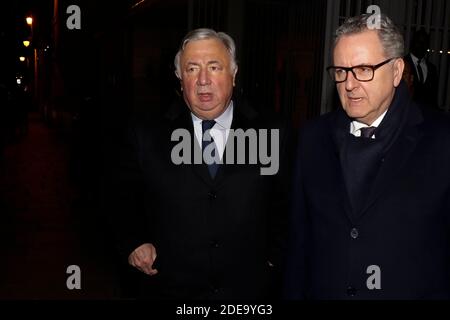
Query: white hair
<point x="202" y="34"/>
<point x="390" y="36"/>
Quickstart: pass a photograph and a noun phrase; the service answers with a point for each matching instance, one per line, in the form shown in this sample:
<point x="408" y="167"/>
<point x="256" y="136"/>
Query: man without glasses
<point x="198" y="231"/>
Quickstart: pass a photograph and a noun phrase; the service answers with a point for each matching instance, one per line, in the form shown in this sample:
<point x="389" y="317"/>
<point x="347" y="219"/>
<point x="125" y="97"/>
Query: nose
<point x="351" y="83"/>
<point x="203" y="77"/>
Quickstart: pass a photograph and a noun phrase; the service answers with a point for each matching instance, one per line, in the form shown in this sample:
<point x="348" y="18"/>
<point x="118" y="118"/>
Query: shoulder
<point x="246" y="116"/>
<point x="318" y="135"/>
<point x="319" y="126"/>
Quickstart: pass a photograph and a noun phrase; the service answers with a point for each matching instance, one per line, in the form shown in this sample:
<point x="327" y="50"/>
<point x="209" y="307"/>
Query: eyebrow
<point x="208" y="63"/>
<point x="213" y="62"/>
<point x="190" y="63"/>
<point x="357" y="65"/>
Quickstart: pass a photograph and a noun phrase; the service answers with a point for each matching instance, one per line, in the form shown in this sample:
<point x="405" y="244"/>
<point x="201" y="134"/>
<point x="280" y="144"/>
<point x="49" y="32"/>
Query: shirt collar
<point x="223" y="121"/>
<point x="355" y="126"/>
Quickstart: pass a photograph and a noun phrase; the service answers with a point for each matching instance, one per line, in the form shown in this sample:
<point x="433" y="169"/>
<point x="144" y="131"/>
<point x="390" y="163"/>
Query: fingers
<point x="142" y="258"/>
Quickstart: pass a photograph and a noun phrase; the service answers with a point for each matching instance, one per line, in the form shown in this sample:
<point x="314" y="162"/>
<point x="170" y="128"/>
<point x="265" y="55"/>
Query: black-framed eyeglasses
<point x="361" y="73"/>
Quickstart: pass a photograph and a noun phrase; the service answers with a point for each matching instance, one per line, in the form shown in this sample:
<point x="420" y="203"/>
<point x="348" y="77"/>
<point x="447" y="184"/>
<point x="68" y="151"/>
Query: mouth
<point x="205" y="97"/>
<point x="354" y="99"/>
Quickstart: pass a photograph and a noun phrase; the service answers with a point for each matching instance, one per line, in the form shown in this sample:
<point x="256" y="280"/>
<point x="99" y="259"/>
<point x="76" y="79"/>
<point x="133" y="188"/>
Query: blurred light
<point x="29" y="21"/>
<point x="441" y="51"/>
<point x="22" y="59"/>
<point x="19" y="81"/>
<point x="26" y="43"/>
<point x="137" y="4"/>
<point x="428" y="50"/>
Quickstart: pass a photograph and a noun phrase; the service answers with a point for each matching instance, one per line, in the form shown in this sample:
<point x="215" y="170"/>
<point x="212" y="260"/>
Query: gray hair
<point x="390" y="36"/>
<point x="202" y="34"/>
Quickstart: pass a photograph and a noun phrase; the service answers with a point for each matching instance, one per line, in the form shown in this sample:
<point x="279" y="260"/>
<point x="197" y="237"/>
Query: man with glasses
<point x="371" y="215"/>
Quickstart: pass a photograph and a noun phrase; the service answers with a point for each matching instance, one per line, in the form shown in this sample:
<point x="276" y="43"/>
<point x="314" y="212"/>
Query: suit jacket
<point x="425" y="94"/>
<point x="402" y="228"/>
<point x="214" y="237"/>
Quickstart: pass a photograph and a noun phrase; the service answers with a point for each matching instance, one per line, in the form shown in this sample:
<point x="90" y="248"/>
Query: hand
<point x="142" y="258"/>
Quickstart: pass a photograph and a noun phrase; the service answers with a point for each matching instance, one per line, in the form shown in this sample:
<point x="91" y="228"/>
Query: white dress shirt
<point x="355" y="126"/>
<point x="219" y="132"/>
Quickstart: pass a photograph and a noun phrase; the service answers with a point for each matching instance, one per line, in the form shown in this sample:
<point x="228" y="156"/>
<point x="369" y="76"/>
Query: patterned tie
<point x="367" y="132"/>
<point x="206" y="126"/>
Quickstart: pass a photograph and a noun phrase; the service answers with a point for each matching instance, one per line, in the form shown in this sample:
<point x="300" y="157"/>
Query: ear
<point x="399" y="66"/>
<point x="179" y="78"/>
<point x="234" y="75"/>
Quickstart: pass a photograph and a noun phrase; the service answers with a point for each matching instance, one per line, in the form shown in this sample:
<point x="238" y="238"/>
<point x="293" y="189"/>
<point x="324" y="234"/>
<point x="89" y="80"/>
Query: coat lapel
<point x="395" y="158"/>
<point x="341" y="127"/>
<point x="180" y="117"/>
<point x="242" y="119"/>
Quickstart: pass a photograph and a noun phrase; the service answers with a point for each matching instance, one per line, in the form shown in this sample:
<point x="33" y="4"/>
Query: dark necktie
<point x="206" y="126"/>
<point x="420" y="72"/>
<point x="367" y="132"/>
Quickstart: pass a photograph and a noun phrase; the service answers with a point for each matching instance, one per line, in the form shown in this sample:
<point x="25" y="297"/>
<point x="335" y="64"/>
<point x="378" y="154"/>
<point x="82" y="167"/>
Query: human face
<point x="207" y="80"/>
<point x="366" y="101"/>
